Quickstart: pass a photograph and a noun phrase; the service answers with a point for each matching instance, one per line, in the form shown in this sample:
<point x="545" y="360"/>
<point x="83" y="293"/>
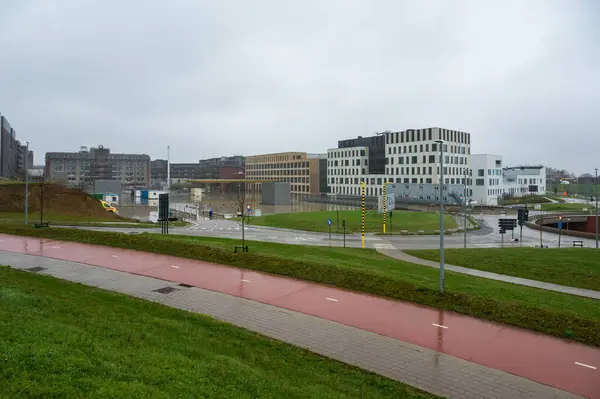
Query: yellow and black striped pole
<point x="384" y="207"/>
<point x="362" y="212"/>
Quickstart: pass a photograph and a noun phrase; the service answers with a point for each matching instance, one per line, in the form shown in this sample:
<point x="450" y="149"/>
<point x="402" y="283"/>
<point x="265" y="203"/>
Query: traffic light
<point x="523" y="216"/>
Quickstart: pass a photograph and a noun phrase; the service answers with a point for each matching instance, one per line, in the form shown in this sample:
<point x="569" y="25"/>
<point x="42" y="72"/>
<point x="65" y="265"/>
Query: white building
<point x="493" y="181"/>
<point x="410" y="156"/>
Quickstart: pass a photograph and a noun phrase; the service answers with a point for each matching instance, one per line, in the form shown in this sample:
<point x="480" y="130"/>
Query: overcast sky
<point x="214" y="78"/>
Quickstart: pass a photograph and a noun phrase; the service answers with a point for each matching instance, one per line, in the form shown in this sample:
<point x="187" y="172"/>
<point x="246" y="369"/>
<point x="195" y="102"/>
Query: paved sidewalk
<point x="423" y="368"/>
<point x="401" y="255"/>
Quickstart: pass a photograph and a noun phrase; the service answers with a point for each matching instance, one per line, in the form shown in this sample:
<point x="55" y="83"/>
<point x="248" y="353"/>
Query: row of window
<point x="346" y="153"/>
<point x="413" y="135"/>
<point x="413" y="170"/>
<point x="380" y="181"/>
<point x="281" y="165"/>
<point x="279" y="172"/>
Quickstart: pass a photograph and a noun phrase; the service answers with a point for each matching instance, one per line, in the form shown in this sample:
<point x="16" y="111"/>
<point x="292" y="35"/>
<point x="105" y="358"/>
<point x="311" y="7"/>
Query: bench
<point x="578" y="243"/>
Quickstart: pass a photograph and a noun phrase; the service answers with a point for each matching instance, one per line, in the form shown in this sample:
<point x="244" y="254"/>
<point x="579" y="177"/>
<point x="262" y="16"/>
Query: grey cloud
<point x="222" y="77"/>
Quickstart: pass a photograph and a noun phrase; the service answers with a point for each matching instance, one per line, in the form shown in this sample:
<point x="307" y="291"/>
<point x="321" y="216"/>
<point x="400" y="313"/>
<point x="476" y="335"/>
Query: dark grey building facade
<point x="376" y="145"/>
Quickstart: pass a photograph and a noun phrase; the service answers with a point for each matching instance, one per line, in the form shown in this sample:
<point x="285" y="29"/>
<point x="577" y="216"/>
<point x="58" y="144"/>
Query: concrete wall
<point x="276" y="194"/>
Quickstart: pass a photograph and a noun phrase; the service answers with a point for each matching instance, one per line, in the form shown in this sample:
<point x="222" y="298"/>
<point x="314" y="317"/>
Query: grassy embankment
<point x="61" y="339"/>
<point x="575" y="267"/>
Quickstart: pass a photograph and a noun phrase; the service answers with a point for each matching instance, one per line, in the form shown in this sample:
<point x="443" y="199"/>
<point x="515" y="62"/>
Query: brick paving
<point x="426" y="369"/>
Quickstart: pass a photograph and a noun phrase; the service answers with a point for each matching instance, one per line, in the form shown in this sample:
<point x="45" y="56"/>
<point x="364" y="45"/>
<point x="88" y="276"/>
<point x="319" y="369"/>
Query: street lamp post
<point x="465" y="208"/>
<point x="27" y="183"/>
<point x="596" y="208"/>
<point x="441" y="144"/>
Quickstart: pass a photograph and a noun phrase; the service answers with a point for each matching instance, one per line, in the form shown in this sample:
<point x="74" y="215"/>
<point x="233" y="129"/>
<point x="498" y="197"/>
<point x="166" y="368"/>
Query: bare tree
<point x="42" y="188"/>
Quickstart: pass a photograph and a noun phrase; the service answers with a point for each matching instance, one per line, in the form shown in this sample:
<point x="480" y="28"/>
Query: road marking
<point x="55" y="247"/>
<point x="1" y="240"/>
<point x="115" y="256"/>
<point x="585" y="365"/>
<point x="438" y="325"/>
<point x="245" y="281"/>
<point x="175" y="267"/>
<point x="332" y="300"/>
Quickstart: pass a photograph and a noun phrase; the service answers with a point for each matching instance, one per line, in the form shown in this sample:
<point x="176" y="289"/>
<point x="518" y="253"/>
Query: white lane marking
<point x="585" y="365"/>
<point x="438" y="325"/>
<point x="55" y="247"/>
<point x="331" y="299"/>
<point x="175" y="267"/>
<point x="1" y="240"/>
<point x="245" y="281"/>
<point x="115" y="256"/>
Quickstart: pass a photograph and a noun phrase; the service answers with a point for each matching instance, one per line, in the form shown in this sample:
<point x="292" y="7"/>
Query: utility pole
<point x="168" y="167"/>
<point x="596" y="208"/>
<point x="27" y="183"/>
<point x="465" y="208"/>
<point x="441" y="144"/>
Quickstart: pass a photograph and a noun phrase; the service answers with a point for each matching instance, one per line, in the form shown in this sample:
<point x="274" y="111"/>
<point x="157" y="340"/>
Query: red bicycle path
<point x="548" y="360"/>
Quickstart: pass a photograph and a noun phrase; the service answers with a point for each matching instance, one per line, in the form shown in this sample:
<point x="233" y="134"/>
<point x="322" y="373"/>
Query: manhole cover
<point x="185" y="285"/>
<point x="35" y="269"/>
<point x="165" y="290"/>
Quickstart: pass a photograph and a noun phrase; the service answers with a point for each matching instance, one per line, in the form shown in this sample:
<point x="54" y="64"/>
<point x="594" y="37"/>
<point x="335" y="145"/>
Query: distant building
<point x="222" y="168"/>
<point x="185" y="171"/>
<point x="493" y="181"/>
<point x="411" y="156"/>
<point x="84" y="167"/>
<point x="9" y="150"/>
<point x="301" y="170"/>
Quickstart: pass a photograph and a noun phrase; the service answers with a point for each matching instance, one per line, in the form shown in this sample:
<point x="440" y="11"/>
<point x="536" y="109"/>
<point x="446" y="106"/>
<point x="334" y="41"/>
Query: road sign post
<point x="329" y="225"/>
<point x="391" y="227"/>
<point x="560" y="226"/>
<point x="362" y="213"/>
<point x="344" y="227"/>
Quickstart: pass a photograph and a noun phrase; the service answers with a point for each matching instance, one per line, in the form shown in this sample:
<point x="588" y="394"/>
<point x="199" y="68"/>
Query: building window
<point x="479" y="182"/>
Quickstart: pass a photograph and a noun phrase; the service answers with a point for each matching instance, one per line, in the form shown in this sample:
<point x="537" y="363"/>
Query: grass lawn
<point x="366" y="270"/>
<point x="575" y="267"/>
<point x="317" y="221"/>
<point x="61" y="339"/>
<point x="567" y="206"/>
<point x="526" y="199"/>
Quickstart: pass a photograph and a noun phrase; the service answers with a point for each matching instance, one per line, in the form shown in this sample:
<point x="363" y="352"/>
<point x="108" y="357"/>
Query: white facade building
<point x="493" y="181"/>
<point x="410" y="156"/>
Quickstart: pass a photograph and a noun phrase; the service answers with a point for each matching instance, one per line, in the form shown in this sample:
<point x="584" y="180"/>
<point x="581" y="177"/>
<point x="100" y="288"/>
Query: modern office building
<point x="411" y="157"/>
<point x="493" y="181"/>
<point x="8" y="150"/>
<point x="85" y="166"/>
<point x="158" y="171"/>
<point x="300" y="169"/>
<point x="222" y="168"/>
<point x="181" y="172"/>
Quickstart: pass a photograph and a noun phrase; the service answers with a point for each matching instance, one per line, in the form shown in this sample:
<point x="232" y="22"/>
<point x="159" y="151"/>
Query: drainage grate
<point x="165" y="290"/>
<point x="36" y="269"/>
<point x="185" y="285"/>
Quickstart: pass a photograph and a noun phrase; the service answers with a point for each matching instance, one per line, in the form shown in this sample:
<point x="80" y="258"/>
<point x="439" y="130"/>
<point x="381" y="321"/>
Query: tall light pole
<point x="168" y="167"/>
<point x="596" y="208"/>
<point x="441" y="144"/>
<point x="465" y="208"/>
<point x="27" y="183"/>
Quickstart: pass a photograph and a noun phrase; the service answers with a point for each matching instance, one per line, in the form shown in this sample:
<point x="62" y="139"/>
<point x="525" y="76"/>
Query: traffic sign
<point x="560" y="225"/>
<point x="329" y="221"/>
